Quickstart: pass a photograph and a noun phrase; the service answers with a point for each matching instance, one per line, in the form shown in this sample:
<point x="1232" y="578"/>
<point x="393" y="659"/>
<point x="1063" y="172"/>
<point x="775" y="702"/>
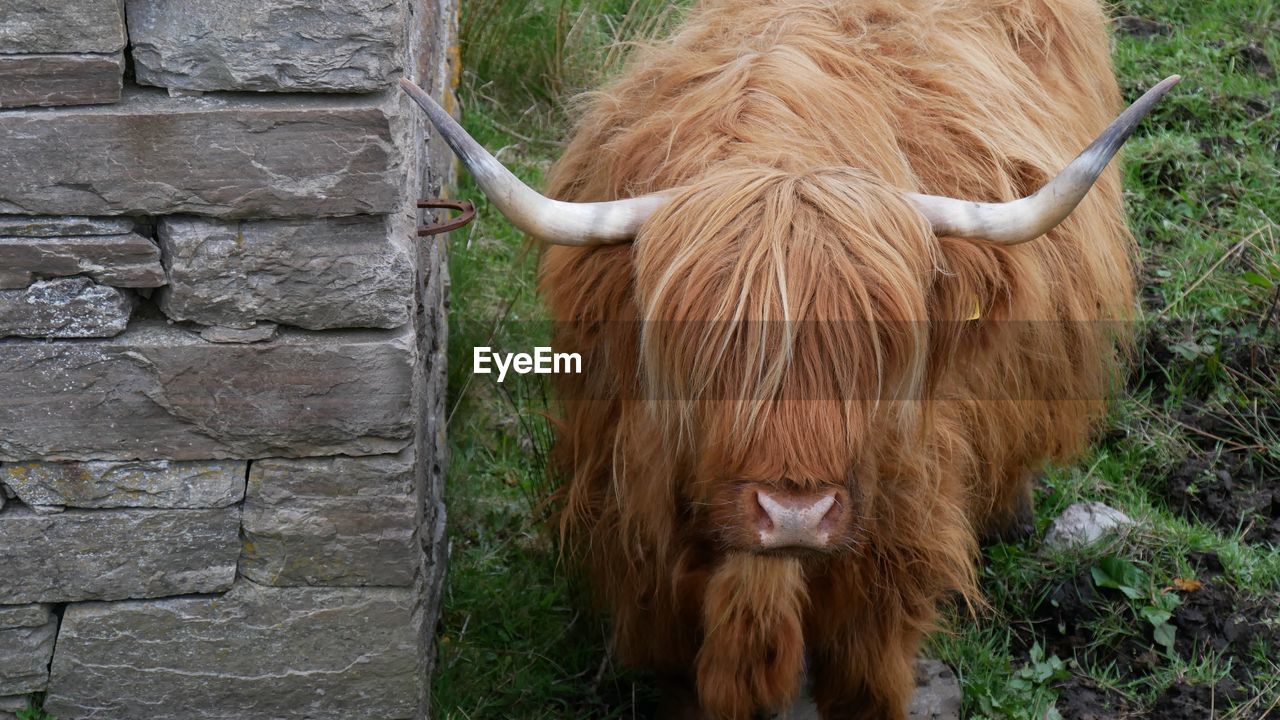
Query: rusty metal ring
<point x="466" y="208"/>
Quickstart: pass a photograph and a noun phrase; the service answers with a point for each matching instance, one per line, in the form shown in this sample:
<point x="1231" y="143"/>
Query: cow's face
<point x="782" y="328"/>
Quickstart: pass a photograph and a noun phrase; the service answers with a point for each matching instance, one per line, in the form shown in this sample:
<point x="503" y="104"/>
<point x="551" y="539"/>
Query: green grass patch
<point x="514" y="640"/>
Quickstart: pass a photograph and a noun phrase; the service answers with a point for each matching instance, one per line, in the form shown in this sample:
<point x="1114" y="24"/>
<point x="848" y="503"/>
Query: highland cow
<point x="830" y="329"/>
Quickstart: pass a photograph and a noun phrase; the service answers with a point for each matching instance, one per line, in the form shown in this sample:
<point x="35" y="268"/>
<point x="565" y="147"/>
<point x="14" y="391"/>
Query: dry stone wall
<point x="221" y="358"/>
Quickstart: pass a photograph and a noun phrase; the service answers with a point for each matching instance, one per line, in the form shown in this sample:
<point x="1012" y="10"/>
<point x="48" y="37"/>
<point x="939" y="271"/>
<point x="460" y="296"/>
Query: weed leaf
<point x="1118" y="574"/>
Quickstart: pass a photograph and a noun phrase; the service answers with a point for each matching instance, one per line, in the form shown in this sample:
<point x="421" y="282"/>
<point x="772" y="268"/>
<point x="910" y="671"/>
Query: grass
<point x="1203" y="189"/>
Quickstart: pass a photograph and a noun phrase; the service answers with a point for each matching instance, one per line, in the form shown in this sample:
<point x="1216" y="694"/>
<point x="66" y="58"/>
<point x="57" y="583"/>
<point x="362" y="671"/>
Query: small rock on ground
<point x="1085" y="524"/>
<point x="938" y="692"/>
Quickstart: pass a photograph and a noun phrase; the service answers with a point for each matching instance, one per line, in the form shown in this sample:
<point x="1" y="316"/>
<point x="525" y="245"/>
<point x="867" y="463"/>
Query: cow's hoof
<point x="1014" y="532"/>
<point x="1019" y="525"/>
<point x="677" y="700"/>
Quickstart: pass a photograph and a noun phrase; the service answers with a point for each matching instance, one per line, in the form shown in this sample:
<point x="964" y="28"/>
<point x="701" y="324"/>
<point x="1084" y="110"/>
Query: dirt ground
<point x="1213" y="618"/>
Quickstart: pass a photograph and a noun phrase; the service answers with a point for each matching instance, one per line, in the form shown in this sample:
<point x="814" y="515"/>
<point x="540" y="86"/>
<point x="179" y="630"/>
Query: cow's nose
<point x="793" y="519"/>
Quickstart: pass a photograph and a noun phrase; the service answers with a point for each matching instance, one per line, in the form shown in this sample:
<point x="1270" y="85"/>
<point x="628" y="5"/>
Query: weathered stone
<point x="47" y="226"/>
<point x="49" y="80"/>
<point x="260" y="332"/>
<point x="331" y="521"/>
<point x="64" y="26"/>
<point x="316" y="274"/>
<point x="11" y="704"/>
<point x="10" y="280"/>
<point x="13" y="616"/>
<point x="75" y="307"/>
<point x="330" y="45"/>
<point x="1085" y="524"/>
<point x="24" y="657"/>
<point x="103" y="484"/>
<point x="255" y="652"/>
<point x="113" y="554"/>
<point x="221" y="155"/>
<point x="431" y="448"/>
<point x="127" y="260"/>
<point x="938" y="695"/>
<point x="158" y="391"/>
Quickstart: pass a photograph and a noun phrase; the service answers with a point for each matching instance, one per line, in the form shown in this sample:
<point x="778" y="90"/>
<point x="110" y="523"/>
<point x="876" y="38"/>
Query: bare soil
<point x="1215" y="618"/>
<point x="1228" y="491"/>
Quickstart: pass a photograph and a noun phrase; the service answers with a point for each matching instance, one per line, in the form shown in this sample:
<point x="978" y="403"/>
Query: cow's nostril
<point x="761" y="519"/>
<point x="832" y="517"/>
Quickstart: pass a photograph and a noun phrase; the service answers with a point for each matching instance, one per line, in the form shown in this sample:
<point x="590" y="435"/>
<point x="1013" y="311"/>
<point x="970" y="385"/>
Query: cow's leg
<point x="872" y="678"/>
<point x="752" y="652"/>
<point x="1013" y="517"/>
<point x="678" y="699"/>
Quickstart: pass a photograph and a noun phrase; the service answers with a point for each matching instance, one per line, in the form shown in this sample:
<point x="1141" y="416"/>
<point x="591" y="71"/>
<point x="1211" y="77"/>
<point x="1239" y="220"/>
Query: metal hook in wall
<point x="467" y="210"/>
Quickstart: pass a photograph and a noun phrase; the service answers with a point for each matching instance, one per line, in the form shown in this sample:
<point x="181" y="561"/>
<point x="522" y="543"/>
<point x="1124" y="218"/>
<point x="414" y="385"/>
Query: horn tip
<point x="1156" y="93"/>
<point x="420" y="96"/>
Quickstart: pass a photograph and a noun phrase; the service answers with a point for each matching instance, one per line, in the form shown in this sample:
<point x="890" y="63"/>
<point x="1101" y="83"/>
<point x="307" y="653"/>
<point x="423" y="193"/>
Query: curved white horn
<point x="1018" y="221"/>
<point x="551" y="221"/>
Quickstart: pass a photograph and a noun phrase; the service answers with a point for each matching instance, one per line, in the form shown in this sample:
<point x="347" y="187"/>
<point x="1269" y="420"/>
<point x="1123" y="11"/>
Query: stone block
<point x="45" y="226"/>
<point x="11" y="704"/>
<point x="142" y="484"/>
<point x="15" y="616"/>
<point x="62" y="26"/>
<point x="255" y="652"/>
<point x="231" y="156"/>
<point x="316" y="274"/>
<point x="48" y="80"/>
<point x="24" y="658"/>
<point x="158" y="391"/>
<point x="74" y="307"/>
<point x="125" y="260"/>
<point x="267" y="45"/>
<point x="331" y="521"/>
<point x="114" y="554"/>
<point x="260" y="332"/>
<point x="432" y="444"/>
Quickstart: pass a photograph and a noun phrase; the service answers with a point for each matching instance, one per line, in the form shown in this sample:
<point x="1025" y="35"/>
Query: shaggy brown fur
<point x="790" y="319"/>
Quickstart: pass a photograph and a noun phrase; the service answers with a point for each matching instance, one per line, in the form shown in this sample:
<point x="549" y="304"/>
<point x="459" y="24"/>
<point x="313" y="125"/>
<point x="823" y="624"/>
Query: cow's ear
<point x="973" y="279"/>
<point x="972" y="282"/>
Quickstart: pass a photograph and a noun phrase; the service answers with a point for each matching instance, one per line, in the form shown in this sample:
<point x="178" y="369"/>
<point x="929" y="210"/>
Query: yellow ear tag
<point x="977" y="310"/>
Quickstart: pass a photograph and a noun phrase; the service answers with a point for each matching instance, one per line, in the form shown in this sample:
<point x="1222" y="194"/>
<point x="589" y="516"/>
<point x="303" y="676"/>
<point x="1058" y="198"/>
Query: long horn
<point x="551" y="221"/>
<point x="1018" y="221"/>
